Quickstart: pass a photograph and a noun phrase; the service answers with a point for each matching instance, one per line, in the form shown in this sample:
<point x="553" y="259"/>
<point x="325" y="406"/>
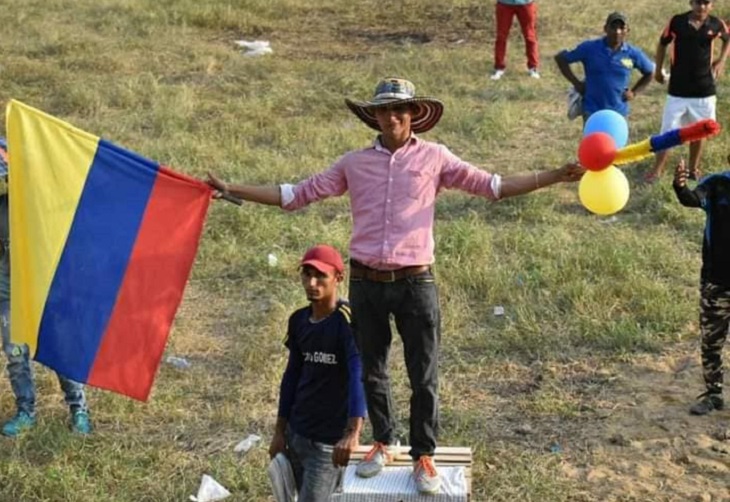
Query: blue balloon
<point x="612" y="123"/>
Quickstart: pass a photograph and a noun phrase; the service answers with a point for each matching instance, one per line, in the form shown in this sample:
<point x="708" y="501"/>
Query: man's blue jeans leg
<point x="73" y="394"/>
<point x="314" y="472"/>
<point x="20" y="372"/>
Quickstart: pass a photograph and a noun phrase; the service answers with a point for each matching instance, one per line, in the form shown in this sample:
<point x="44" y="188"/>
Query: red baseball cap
<point x="324" y="258"/>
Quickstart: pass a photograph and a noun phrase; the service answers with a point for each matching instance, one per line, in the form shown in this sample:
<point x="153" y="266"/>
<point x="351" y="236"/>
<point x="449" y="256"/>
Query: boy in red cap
<point x="321" y="399"/>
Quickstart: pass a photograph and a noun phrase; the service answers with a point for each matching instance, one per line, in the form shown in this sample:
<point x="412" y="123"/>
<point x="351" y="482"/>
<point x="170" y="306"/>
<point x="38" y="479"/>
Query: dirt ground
<point x="631" y="438"/>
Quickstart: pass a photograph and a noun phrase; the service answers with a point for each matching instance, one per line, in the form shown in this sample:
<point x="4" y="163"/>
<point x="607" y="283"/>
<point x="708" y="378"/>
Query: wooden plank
<point x="444" y="455"/>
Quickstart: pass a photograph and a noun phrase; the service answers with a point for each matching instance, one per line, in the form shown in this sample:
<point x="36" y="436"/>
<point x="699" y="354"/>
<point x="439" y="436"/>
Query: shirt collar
<point x="621" y="47"/>
<point x="378" y="146"/>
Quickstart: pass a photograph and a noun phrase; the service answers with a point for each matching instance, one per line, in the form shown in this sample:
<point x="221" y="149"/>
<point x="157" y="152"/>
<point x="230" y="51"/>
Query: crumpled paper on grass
<point x="247" y="444"/>
<point x="210" y="491"/>
<point x="255" y="48"/>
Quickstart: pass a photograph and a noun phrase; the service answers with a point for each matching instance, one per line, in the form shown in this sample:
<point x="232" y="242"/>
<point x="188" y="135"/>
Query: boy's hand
<point x="344" y="448"/>
<point x="680" y="174"/>
<point x="278" y="445"/>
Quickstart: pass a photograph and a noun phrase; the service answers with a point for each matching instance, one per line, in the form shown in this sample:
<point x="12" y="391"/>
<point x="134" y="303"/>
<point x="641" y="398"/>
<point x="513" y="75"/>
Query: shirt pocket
<point x="416" y="182"/>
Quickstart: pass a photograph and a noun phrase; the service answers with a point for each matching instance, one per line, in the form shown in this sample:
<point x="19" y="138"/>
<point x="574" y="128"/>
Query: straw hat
<point x="395" y="91"/>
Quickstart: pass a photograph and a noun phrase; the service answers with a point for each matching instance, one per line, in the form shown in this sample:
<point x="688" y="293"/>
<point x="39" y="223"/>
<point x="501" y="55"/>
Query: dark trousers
<point x="714" y="321"/>
<point x="413" y="302"/>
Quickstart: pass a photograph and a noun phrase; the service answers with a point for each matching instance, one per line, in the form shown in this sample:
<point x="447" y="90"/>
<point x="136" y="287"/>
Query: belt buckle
<point x="392" y="276"/>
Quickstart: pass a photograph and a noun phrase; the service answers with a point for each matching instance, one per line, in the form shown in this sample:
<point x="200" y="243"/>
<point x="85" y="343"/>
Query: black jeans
<point x="413" y="302"/>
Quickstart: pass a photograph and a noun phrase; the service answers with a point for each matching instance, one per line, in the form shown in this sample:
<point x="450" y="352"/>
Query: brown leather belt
<point x="360" y="271"/>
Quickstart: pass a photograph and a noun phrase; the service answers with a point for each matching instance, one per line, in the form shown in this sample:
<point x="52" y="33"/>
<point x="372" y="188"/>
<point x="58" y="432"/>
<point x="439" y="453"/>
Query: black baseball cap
<point x="614" y="17"/>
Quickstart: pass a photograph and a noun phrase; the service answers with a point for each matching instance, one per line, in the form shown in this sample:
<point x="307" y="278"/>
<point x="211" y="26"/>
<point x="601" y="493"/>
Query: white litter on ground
<point x="247" y="443"/>
<point x="210" y="491"/>
<point x="255" y="48"/>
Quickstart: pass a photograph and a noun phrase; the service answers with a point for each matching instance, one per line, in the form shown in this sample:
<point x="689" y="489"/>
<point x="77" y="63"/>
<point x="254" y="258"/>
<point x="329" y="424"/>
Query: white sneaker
<point x="533" y="73"/>
<point x="426" y="476"/>
<point x="282" y="480"/>
<point x="497" y="74"/>
<point x="378" y="457"/>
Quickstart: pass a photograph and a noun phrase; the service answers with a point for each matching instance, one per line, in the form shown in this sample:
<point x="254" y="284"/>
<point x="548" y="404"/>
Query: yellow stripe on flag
<point x="49" y="163"/>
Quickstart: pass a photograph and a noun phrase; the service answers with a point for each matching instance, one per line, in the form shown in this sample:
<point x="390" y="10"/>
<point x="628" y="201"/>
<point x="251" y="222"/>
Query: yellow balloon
<point x="604" y="192"/>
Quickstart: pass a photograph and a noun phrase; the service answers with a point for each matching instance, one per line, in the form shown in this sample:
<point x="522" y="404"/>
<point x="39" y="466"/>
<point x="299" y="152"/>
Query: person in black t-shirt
<point x="693" y="73"/>
<point x="712" y="194"/>
<point x="321" y="399"/>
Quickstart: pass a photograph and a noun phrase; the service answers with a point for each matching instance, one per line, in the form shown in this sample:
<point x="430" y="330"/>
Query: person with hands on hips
<point x="607" y="63"/>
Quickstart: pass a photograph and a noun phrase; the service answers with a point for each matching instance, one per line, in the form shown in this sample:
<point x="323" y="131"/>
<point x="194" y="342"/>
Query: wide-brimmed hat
<point x="396" y="91"/>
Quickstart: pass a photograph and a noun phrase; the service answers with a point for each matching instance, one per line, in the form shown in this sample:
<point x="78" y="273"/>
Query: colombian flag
<point x="101" y="245"/>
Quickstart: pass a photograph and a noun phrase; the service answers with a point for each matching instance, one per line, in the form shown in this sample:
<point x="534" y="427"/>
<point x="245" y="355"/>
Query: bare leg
<point x="660" y="160"/>
<point x="695" y="152"/>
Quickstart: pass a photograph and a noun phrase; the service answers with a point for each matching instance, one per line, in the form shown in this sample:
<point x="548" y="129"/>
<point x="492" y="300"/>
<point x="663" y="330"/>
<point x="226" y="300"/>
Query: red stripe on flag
<point x="132" y="346"/>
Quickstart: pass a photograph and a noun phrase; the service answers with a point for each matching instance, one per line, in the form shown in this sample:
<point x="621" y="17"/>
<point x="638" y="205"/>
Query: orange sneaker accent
<point x="426" y="463"/>
<point x="378" y="447"/>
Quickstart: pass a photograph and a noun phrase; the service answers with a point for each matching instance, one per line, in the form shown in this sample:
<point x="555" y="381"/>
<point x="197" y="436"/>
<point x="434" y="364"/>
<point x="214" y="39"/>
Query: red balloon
<point x="597" y="151"/>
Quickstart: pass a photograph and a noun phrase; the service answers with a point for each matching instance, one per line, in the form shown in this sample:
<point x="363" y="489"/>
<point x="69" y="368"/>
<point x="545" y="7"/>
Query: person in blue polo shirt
<point x="607" y="64"/>
<point x="321" y="400"/>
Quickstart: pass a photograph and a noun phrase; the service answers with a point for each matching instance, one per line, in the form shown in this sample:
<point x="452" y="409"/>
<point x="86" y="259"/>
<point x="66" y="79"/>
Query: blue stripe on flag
<point x="92" y="266"/>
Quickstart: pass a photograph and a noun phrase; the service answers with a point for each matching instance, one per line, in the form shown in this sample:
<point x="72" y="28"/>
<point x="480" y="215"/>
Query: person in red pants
<point x="526" y="13"/>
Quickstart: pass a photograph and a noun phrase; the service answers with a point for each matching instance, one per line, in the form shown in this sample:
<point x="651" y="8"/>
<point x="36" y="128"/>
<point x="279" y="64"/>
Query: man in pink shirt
<point x="393" y="186"/>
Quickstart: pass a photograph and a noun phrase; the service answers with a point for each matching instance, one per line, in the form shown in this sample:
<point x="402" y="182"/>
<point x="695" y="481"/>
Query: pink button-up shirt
<point x="392" y="198"/>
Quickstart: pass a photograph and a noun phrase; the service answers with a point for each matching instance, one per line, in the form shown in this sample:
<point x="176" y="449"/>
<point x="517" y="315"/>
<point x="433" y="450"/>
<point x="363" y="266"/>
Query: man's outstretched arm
<point x="269" y="195"/>
<point x="519" y="184"/>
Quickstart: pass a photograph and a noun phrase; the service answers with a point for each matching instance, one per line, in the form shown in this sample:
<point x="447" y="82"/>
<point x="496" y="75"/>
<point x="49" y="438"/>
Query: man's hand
<point x="659" y="75"/>
<point x="278" y="444"/>
<point x="344" y="448"/>
<point x="718" y="68"/>
<point x="570" y="172"/>
<point x="680" y="174"/>
<point x="218" y="185"/>
<point x="628" y="95"/>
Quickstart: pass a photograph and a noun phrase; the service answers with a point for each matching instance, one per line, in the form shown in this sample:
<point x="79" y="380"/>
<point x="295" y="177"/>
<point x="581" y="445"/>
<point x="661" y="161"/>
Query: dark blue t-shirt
<point x="713" y="195"/>
<point x="322" y="384"/>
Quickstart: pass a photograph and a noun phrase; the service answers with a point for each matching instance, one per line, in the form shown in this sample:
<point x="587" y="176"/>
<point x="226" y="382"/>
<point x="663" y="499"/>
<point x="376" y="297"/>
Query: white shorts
<point x="680" y="112"/>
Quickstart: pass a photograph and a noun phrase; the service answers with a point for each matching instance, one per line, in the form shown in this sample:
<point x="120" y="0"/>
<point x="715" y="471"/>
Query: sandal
<point x="694" y="175"/>
<point x="651" y="177"/>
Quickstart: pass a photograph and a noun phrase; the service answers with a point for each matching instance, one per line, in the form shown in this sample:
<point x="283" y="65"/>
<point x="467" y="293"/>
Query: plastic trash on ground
<point x="179" y="362"/>
<point x="255" y="48"/>
<point x="210" y="491"/>
<point x="247" y="443"/>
